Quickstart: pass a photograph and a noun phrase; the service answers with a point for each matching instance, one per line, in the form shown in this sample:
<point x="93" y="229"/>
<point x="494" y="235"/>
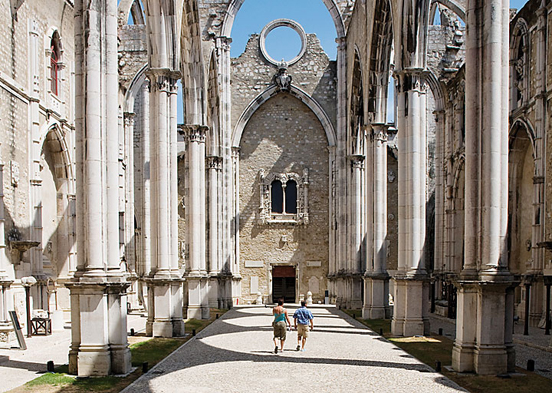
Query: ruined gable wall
<point x="314" y="73"/>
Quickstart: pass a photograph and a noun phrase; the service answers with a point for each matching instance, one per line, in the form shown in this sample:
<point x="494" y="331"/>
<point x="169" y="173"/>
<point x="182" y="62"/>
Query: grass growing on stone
<point x="429" y="350"/>
<point x="148" y="350"/>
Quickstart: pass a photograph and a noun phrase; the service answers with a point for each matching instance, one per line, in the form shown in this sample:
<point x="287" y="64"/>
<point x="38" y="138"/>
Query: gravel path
<point x="234" y="354"/>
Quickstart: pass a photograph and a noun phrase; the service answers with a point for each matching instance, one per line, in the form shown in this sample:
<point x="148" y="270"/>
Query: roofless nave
<point x="285" y="178"/>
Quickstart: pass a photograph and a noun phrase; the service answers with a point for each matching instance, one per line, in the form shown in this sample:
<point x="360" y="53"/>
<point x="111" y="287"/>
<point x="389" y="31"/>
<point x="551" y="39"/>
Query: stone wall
<point x="284" y="136"/>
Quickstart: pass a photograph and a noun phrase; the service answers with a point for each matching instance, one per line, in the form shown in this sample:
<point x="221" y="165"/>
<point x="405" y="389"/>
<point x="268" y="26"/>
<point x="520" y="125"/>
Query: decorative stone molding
<point x="266" y="216"/>
<point x="195" y="132"/>
<point x="214" y="162"/>
<point x="357" y="161"/>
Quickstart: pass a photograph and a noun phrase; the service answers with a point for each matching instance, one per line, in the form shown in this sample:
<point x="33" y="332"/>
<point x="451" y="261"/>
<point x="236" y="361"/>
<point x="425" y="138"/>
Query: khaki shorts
<point x="303" y="330"/>
<point x="279" y="330"/>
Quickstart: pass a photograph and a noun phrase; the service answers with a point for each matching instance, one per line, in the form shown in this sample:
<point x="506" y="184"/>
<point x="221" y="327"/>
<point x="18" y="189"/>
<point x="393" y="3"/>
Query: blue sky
<point x="284" y="42"/>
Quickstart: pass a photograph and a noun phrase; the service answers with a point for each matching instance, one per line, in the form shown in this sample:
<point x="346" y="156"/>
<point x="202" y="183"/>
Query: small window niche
<point x="284" y="198"/>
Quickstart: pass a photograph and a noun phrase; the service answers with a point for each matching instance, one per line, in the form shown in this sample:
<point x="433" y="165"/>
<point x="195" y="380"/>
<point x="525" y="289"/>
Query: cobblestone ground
<point x="235" y="354"/>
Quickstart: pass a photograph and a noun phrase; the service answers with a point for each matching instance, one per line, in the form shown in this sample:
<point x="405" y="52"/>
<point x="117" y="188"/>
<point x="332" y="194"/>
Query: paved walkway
<point x="234" y="354"/>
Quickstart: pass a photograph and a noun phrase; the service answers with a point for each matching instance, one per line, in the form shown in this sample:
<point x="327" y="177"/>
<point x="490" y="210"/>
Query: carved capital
<point x="357" y="161"/>
<point x="411" y="79"/>
<point x="214" y="162"/>
<point x="379" y="132"/>
<point x="223" y="43"/>
<point x="194" y="133"/>
<point x="129" y="118"/>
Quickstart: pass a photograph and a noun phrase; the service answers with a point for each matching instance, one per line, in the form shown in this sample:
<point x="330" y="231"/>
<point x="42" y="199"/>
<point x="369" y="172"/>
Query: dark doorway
<point x="283" y="283"/>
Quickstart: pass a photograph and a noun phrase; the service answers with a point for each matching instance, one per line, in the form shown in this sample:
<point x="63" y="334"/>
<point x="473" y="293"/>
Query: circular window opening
<point x="283" y="44"/>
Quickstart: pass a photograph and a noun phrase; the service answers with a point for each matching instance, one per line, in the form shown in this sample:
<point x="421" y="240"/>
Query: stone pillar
<point x="376" y="281"/>
<point x="164" y="282"/>
<point x="196" y="271"/>
<point x="484" y="309"/>
<point x="235" y="227"/>
<point x="357" y="257"/>
<point x="214" y="167"/>
<point x="411" y="286"/>
<point x="341" y="175"/>
<point x="332" y="230"/>
<point x="98" y="290"/>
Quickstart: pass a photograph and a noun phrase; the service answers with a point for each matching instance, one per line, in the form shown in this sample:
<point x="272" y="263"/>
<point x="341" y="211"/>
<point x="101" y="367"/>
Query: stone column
<point x="356" y="253"/>
<point x="98" y="290"/>
<point x="196" y="271"/>
<point x="484" y="311"/>
<point x="214" y="168"/>
<point x="376" y="284"/>
<point x="411" y="286"/>
<point x="164" y="281"/>
<point x="332" y="230"/>
<point x="235" y="227"/>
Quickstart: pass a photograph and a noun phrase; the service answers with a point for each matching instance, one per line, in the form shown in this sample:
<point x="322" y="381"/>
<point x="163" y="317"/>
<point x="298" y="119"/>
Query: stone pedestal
<point x="411" y="307"/>
<point x="198" y="297"/>
<point x="484" y="327"/>
<point x="215" y="298"/>
<point x="99" y="344"/>
<point x="165" y="317"/>
<point x="376" y="297"/>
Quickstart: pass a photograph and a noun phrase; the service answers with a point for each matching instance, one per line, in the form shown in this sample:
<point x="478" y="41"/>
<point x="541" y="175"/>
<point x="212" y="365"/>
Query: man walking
<point x="302" y="318"/>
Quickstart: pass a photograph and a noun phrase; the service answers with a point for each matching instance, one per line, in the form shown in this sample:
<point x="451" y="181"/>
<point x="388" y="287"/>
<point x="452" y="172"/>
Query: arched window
<point x="277" y="196"/>
<point x="55" y="64"/>
<point x="291" y="197"/>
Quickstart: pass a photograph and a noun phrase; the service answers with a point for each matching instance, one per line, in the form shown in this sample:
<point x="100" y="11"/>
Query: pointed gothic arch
<point x="271" y="92"/>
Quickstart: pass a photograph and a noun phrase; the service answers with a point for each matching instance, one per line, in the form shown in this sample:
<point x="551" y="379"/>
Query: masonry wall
<point x="284" y="136"/>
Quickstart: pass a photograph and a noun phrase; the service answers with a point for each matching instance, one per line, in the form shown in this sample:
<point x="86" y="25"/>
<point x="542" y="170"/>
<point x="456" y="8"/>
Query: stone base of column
<point x="165" y="317"/>
<point x="214" y="295"/>
<point x="198" y="297"/>
<point x="411" y="307"/>
<point x="484" y="324"/>
<point x="7" y="332"/>
<point x="356" y="285"/>
<point x="376" y="295"/>
<point x="235" y="290"/>
<point x="98" y="326"/>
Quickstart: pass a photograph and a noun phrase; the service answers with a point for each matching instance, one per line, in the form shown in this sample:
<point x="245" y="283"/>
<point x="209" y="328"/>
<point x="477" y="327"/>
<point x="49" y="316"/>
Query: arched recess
<point x="522" y="218"/>
<point x="132" y="8"/>
<point x="297" y="93"/>
<point x="410" y="26"/>
<point x="380" y="61"/>
<point x="235" y="6"/>
<point x="356" y="107"/>
<point x="519" y="72"/>
<point x="456" y="239"/>
<point x="58" y="188"/>
<point x="213" y="108"/>
<point x="193" y="73"/>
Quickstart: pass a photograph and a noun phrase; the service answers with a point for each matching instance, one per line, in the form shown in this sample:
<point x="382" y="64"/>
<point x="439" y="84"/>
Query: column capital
<point x="214" y="162"/>
<point x="411" y="79"/>
<point x="379" y="132"/>
<point x="129" y="118"/>
<point x="223" y="43"/>
<point x="236" y="151"/>
<point x="193" y="132"/>
<point x="341" y="43"/>
<point x="357" y="161"/>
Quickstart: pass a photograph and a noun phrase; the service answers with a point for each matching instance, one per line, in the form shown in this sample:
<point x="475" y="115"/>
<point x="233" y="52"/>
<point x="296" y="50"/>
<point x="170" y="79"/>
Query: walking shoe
<point x="276" y="350"/>
<point x="298" y="348"/>
<point x="303" y="350"/>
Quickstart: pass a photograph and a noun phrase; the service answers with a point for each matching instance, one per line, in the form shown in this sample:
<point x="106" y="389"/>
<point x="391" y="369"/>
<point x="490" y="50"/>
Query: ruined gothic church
<point x="286" y="179"/>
